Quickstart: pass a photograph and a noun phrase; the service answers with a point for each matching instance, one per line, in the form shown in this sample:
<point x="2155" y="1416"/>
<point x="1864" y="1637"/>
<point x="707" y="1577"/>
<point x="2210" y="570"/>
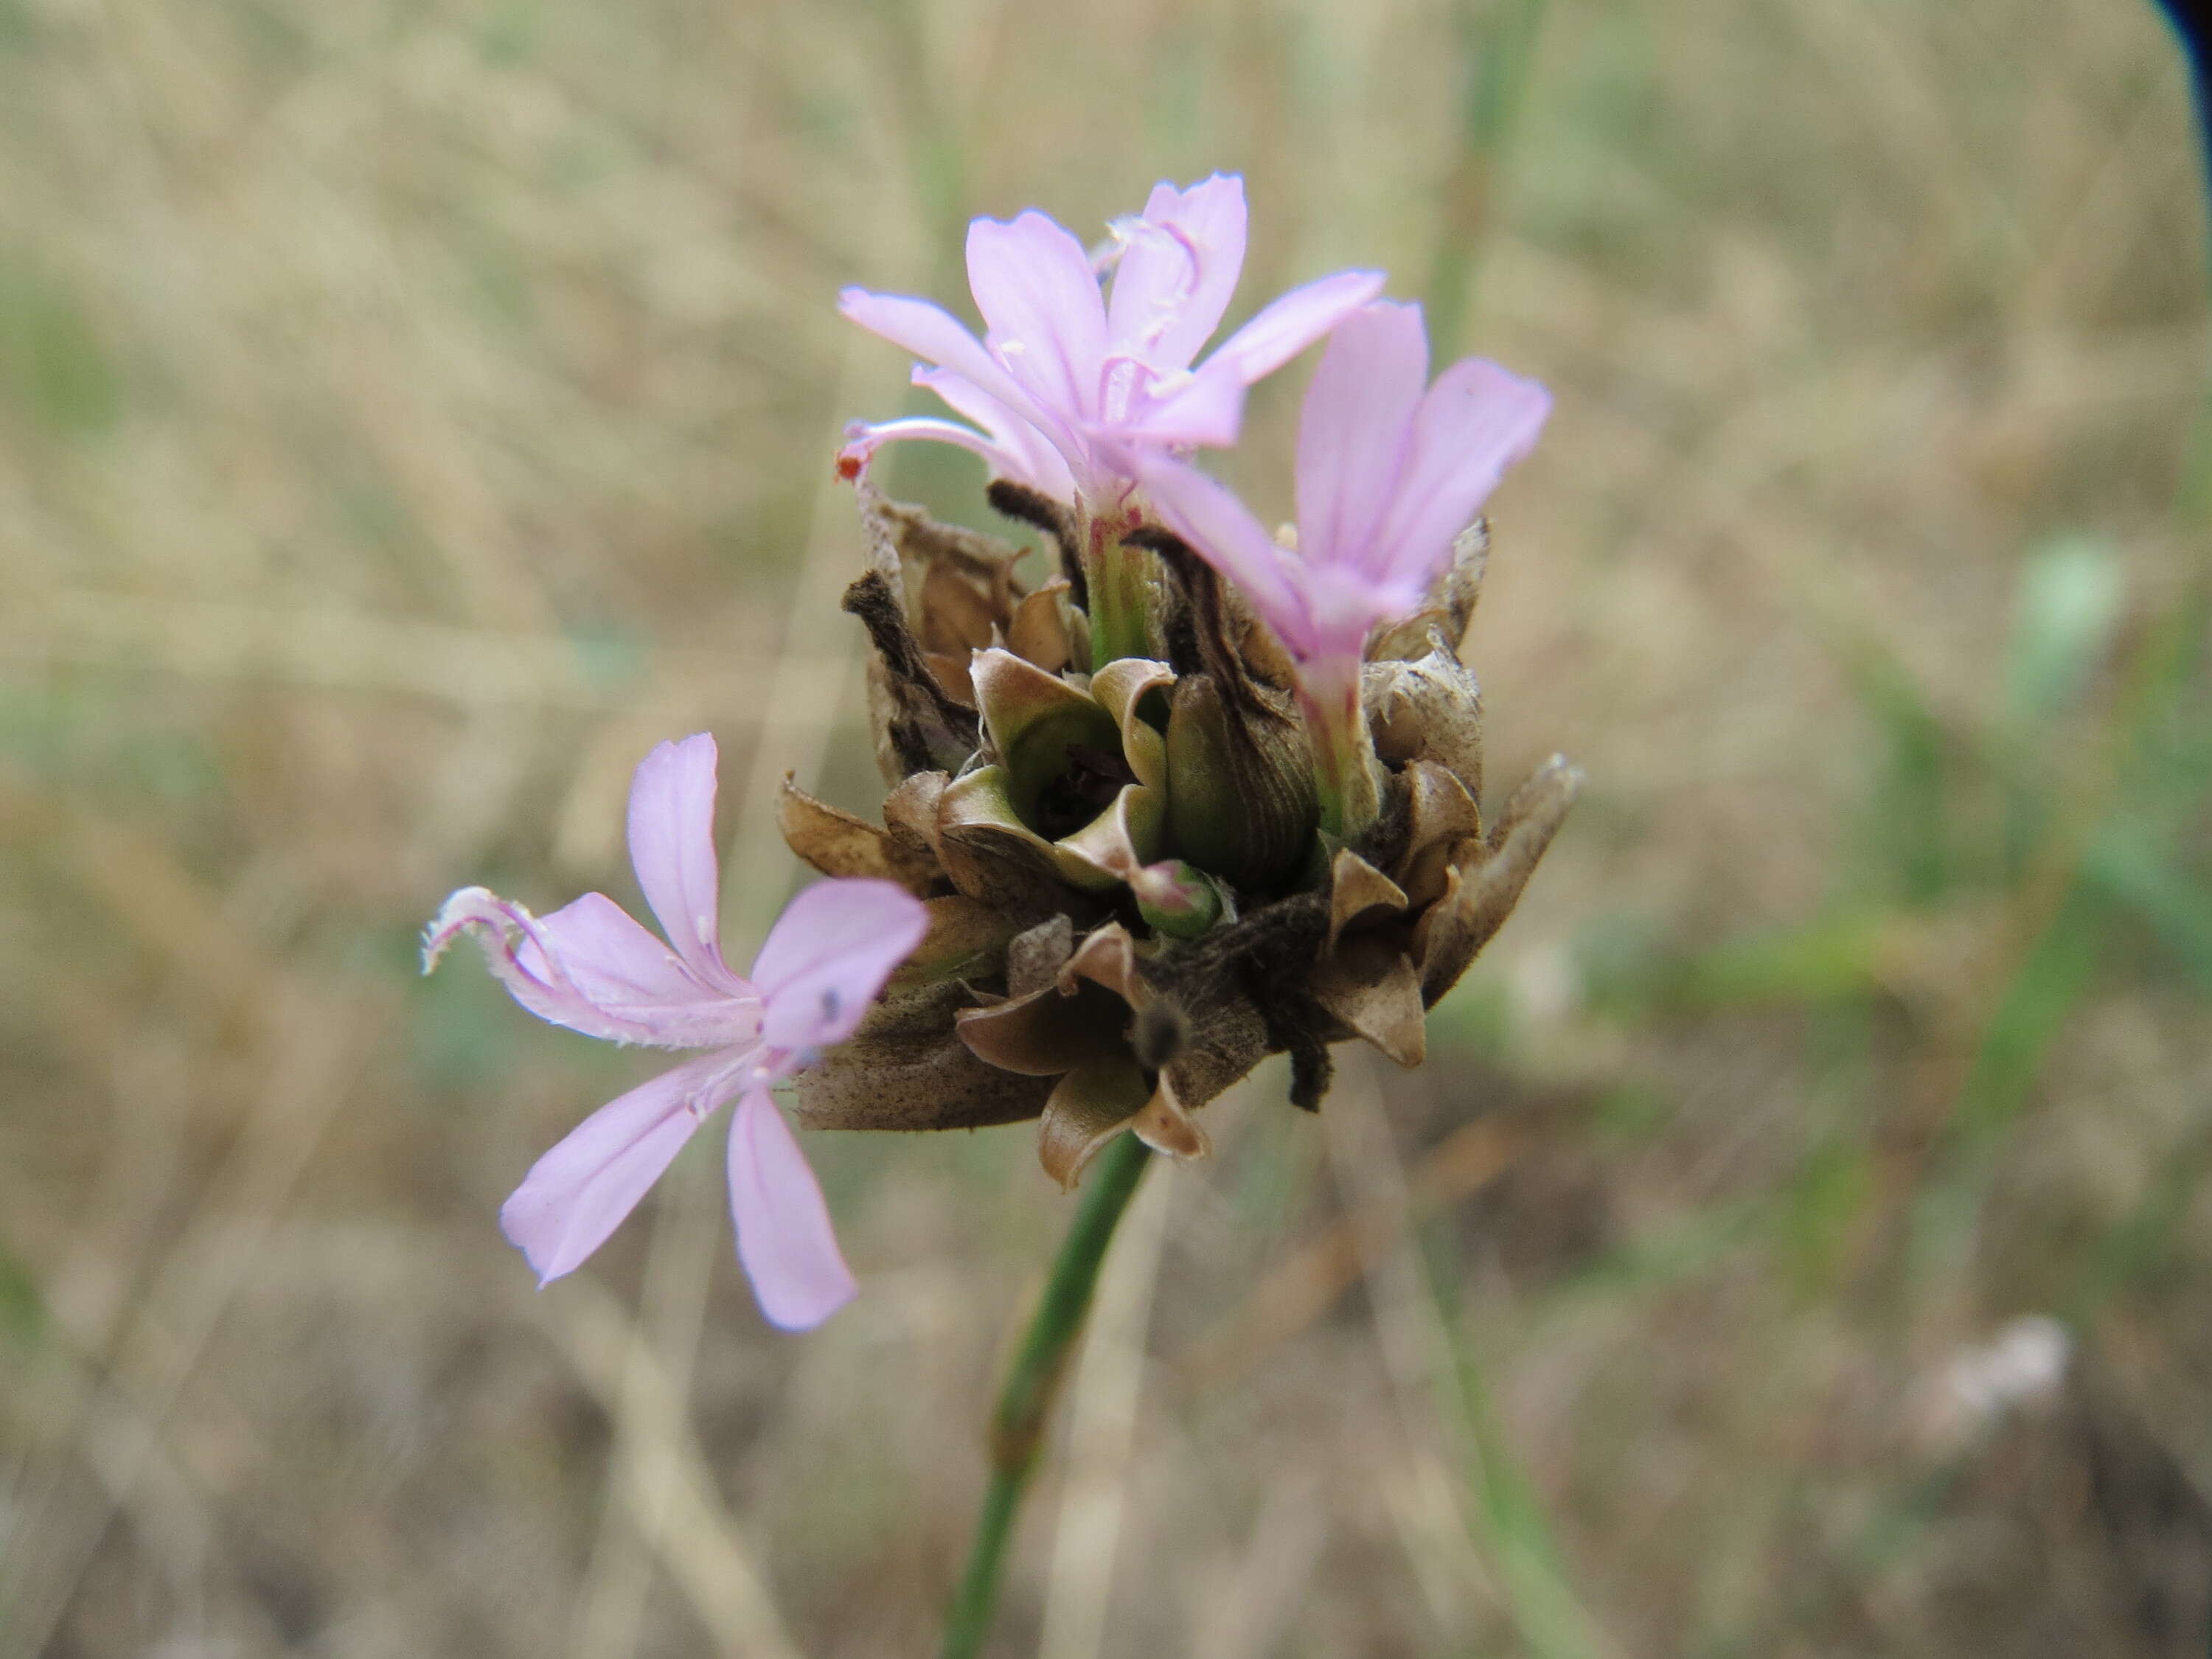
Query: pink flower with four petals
<point x="590" y="967"/>
<point x="1067" y="387"/>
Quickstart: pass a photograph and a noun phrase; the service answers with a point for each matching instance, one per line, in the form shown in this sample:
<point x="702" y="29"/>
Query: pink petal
<point x="862" y="441"/>
<point x="627" y="974"/>
<point x="784" y="1237"/>
<point x="1476" y="421"/>
<point x="935" y="336"/>
<point x="1343" y="604"/>
<point x="1033" y="283"/>
<point x="671" y="846"/>
<point x="1353" y="431"/>
<point x="1291" y="324"/>
<point x="829" y="955"/>
<point x="577" y="1194"/>
<point x="1227" y="536"/>
<point x="1205" y="409"/>
<point x="1179" y="265"/>
<point x="532" y="964"/>
<point x="1031" y="458"/>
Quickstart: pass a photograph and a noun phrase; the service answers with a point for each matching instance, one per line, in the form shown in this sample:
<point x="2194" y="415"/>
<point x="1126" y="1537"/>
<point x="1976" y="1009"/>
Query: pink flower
<point x="1387" y="474"/>
<point x="590" y="967"/>
<point x="1066" y="387"/>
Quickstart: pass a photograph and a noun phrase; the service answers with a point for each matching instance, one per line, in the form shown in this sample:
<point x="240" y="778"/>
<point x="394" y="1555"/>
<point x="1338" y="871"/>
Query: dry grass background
<point x="409" y="412"/>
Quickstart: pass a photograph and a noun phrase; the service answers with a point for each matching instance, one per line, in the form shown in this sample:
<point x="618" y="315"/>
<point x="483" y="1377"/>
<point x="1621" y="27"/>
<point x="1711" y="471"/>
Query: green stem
<point x="1032" y="1383"/>
<point x="1343" y="753"/>
<point x="1120" y="581"/>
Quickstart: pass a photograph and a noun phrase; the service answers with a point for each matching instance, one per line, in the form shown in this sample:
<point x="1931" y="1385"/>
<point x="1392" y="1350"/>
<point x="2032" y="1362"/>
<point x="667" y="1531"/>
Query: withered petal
<point x="1038" y="632"/>
<point x="1376" y="991"/>
<point x="1088" y="1107"/>
<point x="906" y="1068"/>
<point x="950" y="674"/>
<point x="910" y="809"/>
<point x="1047" y="1032"/>
<point x="839" y="844"/>
<point x="1165" y="1127"/>
<point x="967" y="940"/>
<point x="1428" y="709"/>
<point x="1034" y="957"/>
<point x="957" y="613"/>
<point x="905" y="543"/>
<point x="1441" y="818"/>
<point x="1119" y="840"/>
<point x="1358" y="893"/>
<point x="1492" y="875"/>
<point x="1107" y="957"/>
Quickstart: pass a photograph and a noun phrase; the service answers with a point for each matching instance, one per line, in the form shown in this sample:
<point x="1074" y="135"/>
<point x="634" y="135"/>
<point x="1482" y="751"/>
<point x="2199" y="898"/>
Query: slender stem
<point x="1120" y="579"/>
<point x="1343" y="753"/>
<point x="1032" y="1383"/>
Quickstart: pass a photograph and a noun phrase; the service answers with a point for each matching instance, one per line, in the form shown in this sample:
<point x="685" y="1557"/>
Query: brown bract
<point x="1083" y="1014"/>
<point x="960" y="594"/>
<point x="1129" y="905"/>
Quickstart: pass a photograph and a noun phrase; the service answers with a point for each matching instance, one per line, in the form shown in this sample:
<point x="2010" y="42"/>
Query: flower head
<point x="1389" y="469"/>
<point x="1068" y="386"/>
<point x="592" y="968"/>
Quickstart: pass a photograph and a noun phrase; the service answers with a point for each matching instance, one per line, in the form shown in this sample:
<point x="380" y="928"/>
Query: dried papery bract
<point x="1140" y="897"/>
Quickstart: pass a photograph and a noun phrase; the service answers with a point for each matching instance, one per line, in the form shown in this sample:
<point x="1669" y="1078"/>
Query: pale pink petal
<point x="1040" y="300"/>
<point x="935" y="336"/>
<point x="784" y="1237"/>
<point x="577" y="1194"/>
<point x="529" y="963"/>
<point x="1476" y="421"/>
<point x="1179" y="265"/>
<point x="1353" y="430"/>
<point x="671" y="847"/>
<point x="1031" y="458"/>
<point x="829" y="955"/>
<point x="784" y="1234"/>
<point x="1205" y="409"/>
<point x="862" y="441"/>
<point x="1344" y="602"/>
<point x="1288" y="325"/>
<point x="628" y="974"/>
<point x="1228" y="537"/>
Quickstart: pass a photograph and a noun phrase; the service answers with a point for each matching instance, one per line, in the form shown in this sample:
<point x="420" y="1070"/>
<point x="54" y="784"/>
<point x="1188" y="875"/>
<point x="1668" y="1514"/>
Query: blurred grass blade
<point x="2071" y="593"/>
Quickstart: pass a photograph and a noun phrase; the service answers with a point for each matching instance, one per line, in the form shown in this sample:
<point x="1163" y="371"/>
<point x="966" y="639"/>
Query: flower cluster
<point x="1206" y="793"/>
<point x="1203" y="794"/>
